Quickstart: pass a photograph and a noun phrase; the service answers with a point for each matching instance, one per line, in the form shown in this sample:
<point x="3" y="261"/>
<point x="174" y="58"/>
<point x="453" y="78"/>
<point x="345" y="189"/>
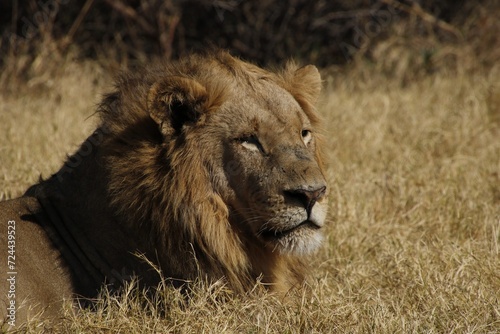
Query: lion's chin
<point x="302" y="239"/>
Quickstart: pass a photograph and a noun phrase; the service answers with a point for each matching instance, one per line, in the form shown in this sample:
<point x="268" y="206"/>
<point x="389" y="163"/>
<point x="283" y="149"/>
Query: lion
<point x="207" y="167"/>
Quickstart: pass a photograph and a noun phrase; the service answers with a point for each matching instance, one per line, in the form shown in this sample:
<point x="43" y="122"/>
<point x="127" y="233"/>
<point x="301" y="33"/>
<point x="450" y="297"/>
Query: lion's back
<point x="32" y="268"/>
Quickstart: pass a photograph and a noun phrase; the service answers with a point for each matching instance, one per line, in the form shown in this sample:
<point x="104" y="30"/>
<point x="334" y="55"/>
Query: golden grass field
<point x="413" y="243"/>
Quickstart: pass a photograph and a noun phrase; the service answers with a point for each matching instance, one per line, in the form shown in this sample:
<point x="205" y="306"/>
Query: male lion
<point x="209" y="167"/>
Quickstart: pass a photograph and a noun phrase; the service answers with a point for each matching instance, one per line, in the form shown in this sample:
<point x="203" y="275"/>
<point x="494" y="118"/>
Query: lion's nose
<point x="307" y="196"/>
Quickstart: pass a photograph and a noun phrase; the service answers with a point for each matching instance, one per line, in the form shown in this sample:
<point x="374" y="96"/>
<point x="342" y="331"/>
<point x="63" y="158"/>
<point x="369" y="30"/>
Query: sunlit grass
<point x="414" y="227"/>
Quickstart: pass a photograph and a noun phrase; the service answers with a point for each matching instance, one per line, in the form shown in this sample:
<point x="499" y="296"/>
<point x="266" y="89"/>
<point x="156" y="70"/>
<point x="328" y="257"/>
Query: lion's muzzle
<point x="308" y="196"/>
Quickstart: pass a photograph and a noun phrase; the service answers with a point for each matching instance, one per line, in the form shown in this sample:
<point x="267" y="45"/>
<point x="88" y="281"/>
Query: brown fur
<point x="199" y="166"/>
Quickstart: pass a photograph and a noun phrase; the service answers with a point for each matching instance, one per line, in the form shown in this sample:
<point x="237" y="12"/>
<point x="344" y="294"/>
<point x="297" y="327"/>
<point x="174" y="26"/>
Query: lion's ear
<point x="304" y="84"/>
<point x="309" y="80"/>
<point x="176" y="101"/>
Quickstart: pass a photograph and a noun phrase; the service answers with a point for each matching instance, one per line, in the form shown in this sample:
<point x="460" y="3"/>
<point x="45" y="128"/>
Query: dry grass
<point x="43" y="120"/>
<point x="413" y="243"/>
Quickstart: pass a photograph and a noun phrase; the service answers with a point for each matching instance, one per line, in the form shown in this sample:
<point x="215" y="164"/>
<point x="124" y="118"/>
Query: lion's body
<point x="208" y="167"/>
<point x="38" y="274"/>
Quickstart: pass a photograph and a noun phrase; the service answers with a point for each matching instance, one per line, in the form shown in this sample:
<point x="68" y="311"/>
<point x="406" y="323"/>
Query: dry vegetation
<point x="413" y="242"/>
<point x="414" y="170"/>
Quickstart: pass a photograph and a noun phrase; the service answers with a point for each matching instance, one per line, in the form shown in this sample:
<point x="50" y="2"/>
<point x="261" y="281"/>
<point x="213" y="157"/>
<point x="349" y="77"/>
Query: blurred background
<point x="396" y="36"/>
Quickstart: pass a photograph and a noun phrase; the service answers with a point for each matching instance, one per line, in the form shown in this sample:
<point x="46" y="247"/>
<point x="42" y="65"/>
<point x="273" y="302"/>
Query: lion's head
<point x="221" y="159"/>
<point x="264" y="160"/>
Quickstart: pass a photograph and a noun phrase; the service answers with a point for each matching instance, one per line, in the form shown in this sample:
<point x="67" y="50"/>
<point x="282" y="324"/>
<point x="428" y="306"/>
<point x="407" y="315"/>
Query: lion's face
<point x="257" y="141"/>
<point x="270" y="177"/>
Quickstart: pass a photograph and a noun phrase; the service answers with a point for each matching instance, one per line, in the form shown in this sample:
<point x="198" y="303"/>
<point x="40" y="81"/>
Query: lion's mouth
<point x="276" y="234"/>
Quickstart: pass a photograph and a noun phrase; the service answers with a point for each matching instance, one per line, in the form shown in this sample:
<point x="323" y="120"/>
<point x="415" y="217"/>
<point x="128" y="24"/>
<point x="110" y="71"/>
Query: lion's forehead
<point x="266" y="106"/>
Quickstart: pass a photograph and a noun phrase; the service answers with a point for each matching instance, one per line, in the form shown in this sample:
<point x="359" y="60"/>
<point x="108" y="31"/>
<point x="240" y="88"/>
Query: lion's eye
<point x="251" y="143"/>
<point x="306" y="136"/>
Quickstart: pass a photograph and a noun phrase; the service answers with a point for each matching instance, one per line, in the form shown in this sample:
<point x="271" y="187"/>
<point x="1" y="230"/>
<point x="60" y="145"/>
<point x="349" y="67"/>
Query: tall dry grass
<point x="414" y="227"/>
